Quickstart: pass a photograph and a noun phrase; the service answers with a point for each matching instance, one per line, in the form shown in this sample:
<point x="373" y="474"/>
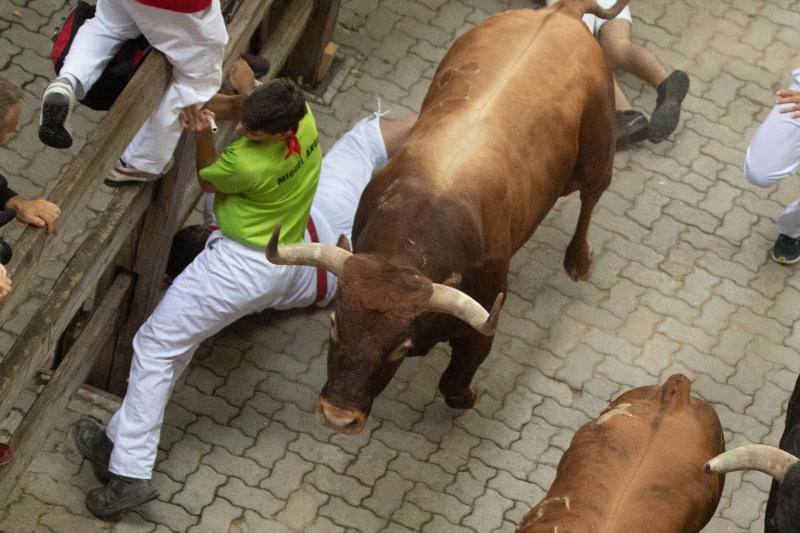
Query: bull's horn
<point x="326" y="256"/>
<point x="767" y="459"/>
<point x="453" y="302"/>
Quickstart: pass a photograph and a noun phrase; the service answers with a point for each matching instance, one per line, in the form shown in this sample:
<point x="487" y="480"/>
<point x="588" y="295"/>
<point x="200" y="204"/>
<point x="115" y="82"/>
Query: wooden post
<point x="303" y="63"/>
<point x="52" y="401"/>
<point x="75" y="283"/>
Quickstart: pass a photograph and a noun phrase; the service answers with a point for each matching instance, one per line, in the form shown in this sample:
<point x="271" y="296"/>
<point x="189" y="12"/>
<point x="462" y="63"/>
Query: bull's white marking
<point x="620" y="410"/>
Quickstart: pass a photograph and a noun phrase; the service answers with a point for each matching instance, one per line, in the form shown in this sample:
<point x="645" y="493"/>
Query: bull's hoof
<point x="467" y="401"/>
<point x="577" y="264"/>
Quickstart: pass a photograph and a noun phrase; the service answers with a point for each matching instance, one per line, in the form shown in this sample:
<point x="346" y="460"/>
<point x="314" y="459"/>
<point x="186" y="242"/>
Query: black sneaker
<point x="94" y="445"/>
<point x="786" y="250"/>
<point x="118" y="495"/>
<point x="57" y="103"/>
<point x="632" y="126"/>
<point x="671" y="93"/>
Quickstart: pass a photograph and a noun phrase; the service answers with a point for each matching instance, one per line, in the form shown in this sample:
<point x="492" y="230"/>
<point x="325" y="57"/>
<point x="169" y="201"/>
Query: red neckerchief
<point x="292" y="144"/>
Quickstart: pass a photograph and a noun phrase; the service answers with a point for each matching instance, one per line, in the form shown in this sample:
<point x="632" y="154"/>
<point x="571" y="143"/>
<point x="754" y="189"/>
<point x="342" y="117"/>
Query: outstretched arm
<point x="243" y="81"/>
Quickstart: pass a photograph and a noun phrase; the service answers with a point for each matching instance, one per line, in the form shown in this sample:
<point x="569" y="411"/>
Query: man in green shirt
<point x="267" y="177"/>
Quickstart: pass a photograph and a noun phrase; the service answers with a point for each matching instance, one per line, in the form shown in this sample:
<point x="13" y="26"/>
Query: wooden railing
<point x="126" y="287"/>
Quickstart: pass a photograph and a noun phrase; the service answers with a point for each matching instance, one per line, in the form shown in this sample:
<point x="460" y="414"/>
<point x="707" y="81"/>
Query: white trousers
<point x="194" y="44"/>
<point x="595" y="23"/>
<point x="773" y="154"/>
<point x="227" y="281"/>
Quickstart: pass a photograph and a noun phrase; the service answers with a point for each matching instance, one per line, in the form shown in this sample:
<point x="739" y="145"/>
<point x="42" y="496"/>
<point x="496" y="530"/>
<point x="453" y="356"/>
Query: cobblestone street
<point x="681" y="283"/>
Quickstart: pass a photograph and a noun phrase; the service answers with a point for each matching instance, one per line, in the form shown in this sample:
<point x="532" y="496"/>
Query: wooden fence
<point x="120" y="264"/>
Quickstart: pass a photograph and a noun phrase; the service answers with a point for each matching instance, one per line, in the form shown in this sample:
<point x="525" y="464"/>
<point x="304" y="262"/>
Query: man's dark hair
<point x="275" y="107"/>
<point x="10" y="95"/>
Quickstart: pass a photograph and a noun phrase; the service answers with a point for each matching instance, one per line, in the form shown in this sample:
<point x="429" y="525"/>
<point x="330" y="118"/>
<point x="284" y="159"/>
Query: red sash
<point x="322" y="275"/>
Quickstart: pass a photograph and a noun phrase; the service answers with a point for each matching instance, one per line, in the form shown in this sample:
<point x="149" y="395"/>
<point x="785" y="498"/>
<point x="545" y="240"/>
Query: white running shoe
<point x="57" y="103"/>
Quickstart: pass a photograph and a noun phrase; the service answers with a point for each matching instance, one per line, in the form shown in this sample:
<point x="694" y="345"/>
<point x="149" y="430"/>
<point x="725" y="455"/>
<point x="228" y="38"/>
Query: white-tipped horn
<point x="327" y="256"/>
<point x="767" y="459"/>
<point x="453" y="302"/>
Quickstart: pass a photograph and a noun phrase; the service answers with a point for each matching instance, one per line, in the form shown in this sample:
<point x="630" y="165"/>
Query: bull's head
<point x="783" y="509"/>
<point x="372" y="325"/>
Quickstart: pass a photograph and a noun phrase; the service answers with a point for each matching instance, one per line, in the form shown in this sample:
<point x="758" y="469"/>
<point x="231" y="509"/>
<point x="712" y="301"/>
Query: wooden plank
<point x="286" y="34"/>
<point x="75" y="283"/>
<point x="304" y="61"/>
<point x="49" y="407"/>
<point x="97" y="157"/>
<point x="162" y="219"/>
<point x="151" y="257"/>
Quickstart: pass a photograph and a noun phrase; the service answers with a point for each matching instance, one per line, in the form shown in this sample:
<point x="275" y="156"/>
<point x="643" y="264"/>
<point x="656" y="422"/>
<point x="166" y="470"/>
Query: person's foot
<point x="671" y="93"/>
<point x="258" y="64"/>
<point x="632" y="126"/>
<point x="57" y="103"/>
<point x="786" y="250"/>
<point x="124" y="174"/>
<point x="94" y="445"/>
<point x="118" y="495"/>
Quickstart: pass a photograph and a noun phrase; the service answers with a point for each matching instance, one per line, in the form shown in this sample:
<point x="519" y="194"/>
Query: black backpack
<point x="119" y="70"/>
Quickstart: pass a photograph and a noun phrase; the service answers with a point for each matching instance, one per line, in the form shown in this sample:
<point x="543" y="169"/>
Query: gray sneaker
<point x="118" y="495"/>
<point x="94" y="445"/>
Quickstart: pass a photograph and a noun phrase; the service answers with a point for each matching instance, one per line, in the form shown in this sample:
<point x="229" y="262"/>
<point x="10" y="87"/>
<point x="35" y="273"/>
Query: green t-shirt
<point x="257" y="188"/>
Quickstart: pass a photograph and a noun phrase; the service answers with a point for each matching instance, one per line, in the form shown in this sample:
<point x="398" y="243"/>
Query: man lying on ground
<point x="615" y="37"/>
<point x="273" y="174"/>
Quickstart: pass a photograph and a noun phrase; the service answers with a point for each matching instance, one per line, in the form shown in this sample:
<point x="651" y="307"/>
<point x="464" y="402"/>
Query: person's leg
<point x="194" y="44"/>
<point x="773" y="154"/>
<point x="96" y="42"/>
<point x="225" y="282"/>
<point x="632" y="125"/>
<point x="348" y="166"/>
<point x="622" y="53"/>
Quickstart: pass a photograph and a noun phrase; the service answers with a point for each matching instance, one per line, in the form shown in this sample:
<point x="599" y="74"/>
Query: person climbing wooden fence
<point x="119" y="266"/>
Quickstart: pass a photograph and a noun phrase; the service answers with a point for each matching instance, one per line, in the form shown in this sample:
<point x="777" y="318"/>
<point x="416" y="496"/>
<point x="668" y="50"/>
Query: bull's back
<point x="638" y="467"/>
<point x="502" y="119"/>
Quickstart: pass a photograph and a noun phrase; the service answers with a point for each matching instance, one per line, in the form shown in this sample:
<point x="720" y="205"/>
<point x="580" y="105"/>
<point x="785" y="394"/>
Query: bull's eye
<point x="334" y="329"/>
<point x="401" y="350"/>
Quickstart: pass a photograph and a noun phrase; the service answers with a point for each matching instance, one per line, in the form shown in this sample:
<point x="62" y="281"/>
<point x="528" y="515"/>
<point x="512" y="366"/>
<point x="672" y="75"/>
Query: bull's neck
<point x="415" y="224"/>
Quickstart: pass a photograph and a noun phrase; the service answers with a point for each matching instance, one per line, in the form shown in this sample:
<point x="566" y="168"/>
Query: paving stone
<point x="242" y="468"/>
<point x="287" y="475"/>
<point x="219" y="516"/>
<point x="254" y="499"/>
<point x="357" y="518"/>
<point x="199" y="489"/>
<point x="302" y="507"/>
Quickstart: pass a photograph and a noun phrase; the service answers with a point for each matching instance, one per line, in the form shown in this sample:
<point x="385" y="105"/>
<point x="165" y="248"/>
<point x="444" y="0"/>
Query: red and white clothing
<point x="227" y="281"/>
<point x="179" y="6"/>
<point x="194" y="43"/>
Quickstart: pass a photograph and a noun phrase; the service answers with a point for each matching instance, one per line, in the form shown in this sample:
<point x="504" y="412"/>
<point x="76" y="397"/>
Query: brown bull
<point x="519" y="113"/>
<point x="638" y="467"/>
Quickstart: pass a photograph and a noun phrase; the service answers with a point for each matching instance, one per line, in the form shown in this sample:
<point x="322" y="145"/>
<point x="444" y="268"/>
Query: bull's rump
<point x="503" y="116"/>
<point x="638" y="467"/>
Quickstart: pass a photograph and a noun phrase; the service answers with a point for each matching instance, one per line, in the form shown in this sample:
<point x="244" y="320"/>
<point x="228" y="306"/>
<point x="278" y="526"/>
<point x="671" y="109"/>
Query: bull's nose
<point x="347" y="421"/>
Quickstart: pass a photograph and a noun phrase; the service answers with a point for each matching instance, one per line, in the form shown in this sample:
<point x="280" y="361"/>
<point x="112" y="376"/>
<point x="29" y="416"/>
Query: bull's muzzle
<point x="347" y="421"/>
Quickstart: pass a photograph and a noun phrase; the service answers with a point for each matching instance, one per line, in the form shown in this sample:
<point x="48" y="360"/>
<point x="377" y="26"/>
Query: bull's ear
<point x="343" y="243"/>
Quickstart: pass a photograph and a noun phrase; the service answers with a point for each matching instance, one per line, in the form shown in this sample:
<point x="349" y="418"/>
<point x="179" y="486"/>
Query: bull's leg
<point x="578" y="258"/>
<point x="455" y="383"/>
